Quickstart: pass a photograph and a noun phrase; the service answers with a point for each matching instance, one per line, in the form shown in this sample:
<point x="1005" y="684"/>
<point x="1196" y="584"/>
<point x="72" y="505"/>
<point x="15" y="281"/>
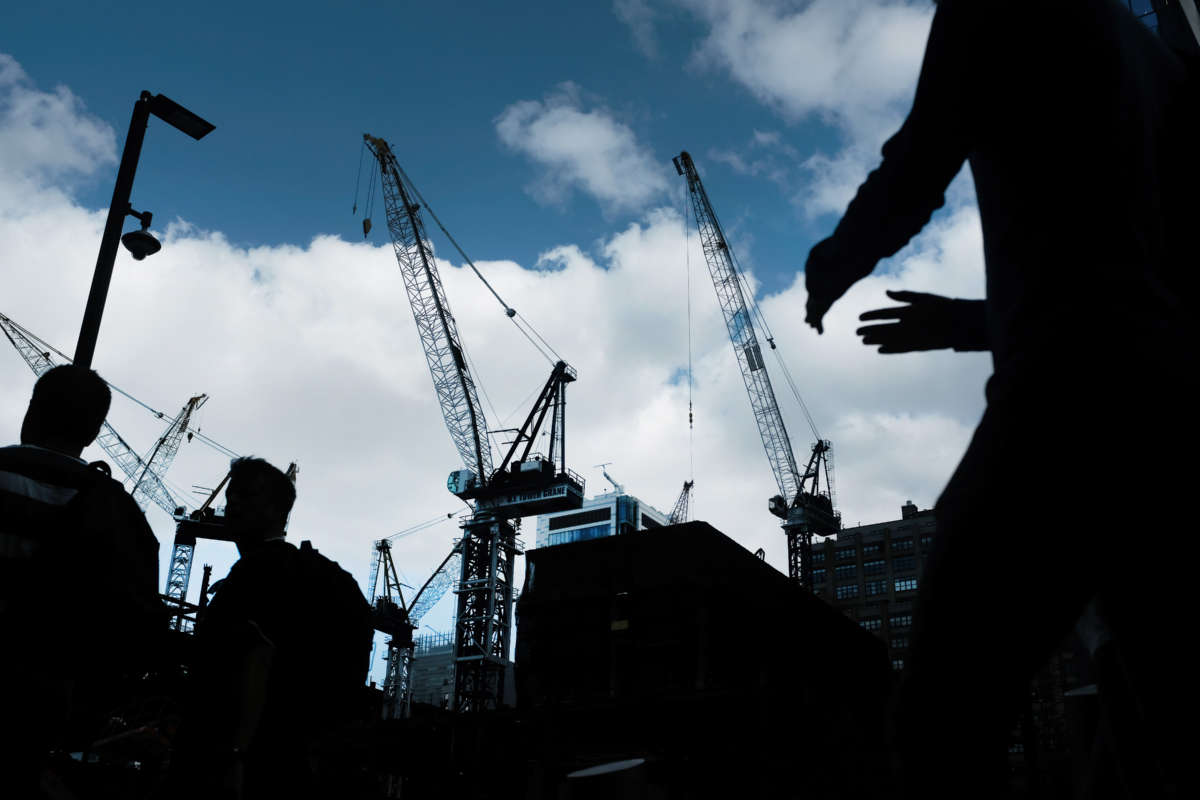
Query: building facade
<point x="871" y="573"/>
<point x="431" y="676"/>
<point x="605" y="515"/>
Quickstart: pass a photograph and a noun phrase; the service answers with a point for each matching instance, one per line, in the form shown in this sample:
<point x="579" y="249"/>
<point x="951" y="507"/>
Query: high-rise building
<point x="871" y="574"/>
<point x="605" y="515"/>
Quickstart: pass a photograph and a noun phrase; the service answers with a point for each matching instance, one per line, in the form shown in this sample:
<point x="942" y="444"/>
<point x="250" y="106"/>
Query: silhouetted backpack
<point x="338" y="622"/>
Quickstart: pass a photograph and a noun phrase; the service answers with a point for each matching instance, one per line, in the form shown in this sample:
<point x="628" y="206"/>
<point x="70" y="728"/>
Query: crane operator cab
<point x="527" y="488"/>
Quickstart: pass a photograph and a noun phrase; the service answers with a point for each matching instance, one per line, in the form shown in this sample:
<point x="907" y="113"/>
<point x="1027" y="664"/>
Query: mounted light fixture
<point x="139" y="243"/>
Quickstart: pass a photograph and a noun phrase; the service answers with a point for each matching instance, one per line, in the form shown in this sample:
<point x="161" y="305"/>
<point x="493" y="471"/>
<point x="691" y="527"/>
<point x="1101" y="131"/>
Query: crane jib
<point x="444" y="354"/>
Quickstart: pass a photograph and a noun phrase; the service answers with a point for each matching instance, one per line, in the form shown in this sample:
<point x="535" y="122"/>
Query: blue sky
<point x="543" y="137"/>
<point x="292" y="87"/>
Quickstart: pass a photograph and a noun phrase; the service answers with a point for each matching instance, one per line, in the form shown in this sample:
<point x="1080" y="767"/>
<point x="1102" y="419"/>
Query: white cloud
<point x="639" y="15"/>
<point x="849" y="60"/>
<point x="309" y="353"/>
<point x="47" y="134"/>
<point x="586" y="150"/>
<point x="852" y="64"/>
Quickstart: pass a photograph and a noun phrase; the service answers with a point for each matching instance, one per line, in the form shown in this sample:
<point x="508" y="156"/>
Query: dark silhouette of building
<point x="871" y="573"/>
<point x="680" y="647"/>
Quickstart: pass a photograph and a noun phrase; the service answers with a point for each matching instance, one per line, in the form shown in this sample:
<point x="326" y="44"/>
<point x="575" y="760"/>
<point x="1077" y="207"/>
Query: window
<point x="846" y="591"/>
<point x="904" y="545"/>
<point x="897" y="664"/>
<point x="875" y="567"/>
<point x="876" y="587"/>
<point x="819" y="576"/>
<point x="579" y="534"/>
<point x="900" y="621"/>
<point x="904" y="564"/>
<point x="906" y="584"/>
<point x="926" y="541"/>
<point x="819" y="557"/>
<point x="845" y="553"/>
<point x="899" y="642"/>
<point x="596" y="515"/>
<point x="871" y="549"/>
<point x="844" y="571"/>
<point x="870" y="623"/>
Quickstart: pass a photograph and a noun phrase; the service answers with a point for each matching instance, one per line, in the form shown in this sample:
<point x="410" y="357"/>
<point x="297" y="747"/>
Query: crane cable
<point x="160" y="414"/>
<point x="687" y="258"/>
<point x="756" y="311"/>
<point x="420" y="526"/>
<point x="358" y="177"/>
<point x="509" y="311"/>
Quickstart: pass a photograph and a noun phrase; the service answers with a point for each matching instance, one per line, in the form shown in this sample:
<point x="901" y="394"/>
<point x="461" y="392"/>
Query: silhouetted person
<point x="79" y="601"/>
<point x="1080" y="130"/>
<point x="283" y="651"/>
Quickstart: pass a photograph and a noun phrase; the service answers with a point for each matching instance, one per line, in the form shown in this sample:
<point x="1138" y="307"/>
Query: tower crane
<point x="523" y="485"/>
<point x="391" y="616"/>
<point x="144" y="474"/>
<point x="604" y="471"/>
<point x="148" y="482"/>
<point x="680" y="512"/>
<point x="806" y="509"/>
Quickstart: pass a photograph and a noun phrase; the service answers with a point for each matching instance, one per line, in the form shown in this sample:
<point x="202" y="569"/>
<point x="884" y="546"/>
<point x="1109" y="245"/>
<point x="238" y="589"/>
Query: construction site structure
<point x="397" y="620"/>
<point x="525" y="483"/>
<point x="148" y="484"/>
<point x="679" y="513"/>
<point x="805" y="507"/>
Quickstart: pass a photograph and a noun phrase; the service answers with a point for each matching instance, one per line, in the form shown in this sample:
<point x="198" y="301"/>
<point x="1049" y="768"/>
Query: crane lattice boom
<point x="129" y="462"/>
<point x="435" y="324"/>
<point x="805" y="509"/>
<point x="680" y="512"/>
<point x="741" y="333"/>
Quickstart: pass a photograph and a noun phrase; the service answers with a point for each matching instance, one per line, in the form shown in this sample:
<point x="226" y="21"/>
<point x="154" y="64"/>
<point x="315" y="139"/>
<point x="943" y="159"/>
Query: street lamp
<point x="140" y="243"/>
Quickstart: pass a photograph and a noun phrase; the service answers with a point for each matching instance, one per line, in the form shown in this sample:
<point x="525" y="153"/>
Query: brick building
<point x="871" y="573"/>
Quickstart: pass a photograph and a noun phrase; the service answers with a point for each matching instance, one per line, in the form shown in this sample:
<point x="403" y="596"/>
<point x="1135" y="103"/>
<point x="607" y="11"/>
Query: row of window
<point x="904" y="545"/>
<point x="896" y="621"/>
<point x="847" y="591"/>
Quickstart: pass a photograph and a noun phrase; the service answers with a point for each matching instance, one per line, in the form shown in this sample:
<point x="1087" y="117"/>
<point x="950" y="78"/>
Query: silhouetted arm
<point x="928" y="322"/>
<point x="901" y="194"/>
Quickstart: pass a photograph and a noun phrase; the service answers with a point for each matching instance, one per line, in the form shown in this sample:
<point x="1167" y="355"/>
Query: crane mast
<point x="806" y="511"/>
<point x="522" y="485"/>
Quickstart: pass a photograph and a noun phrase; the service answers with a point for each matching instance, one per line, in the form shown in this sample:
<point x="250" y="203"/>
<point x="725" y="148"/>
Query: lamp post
<point x="139" y="243"/>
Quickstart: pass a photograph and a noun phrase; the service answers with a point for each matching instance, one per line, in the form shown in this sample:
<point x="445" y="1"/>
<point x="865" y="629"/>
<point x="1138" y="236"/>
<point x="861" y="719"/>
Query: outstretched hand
<point x="827" y="275"/>
<point x="928" y="322"/>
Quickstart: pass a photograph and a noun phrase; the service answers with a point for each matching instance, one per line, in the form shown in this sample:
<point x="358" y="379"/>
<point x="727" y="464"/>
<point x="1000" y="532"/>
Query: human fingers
<point x="905" y="296"/>
<point x="896" y="312"/>
<point x="882" y="334"/>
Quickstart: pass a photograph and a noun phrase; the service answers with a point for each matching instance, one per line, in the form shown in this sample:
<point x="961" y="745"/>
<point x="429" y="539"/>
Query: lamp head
<point x="141" y="244"/>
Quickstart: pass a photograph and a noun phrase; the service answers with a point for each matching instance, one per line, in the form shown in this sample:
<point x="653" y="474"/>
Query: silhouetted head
<point x="68" y="407"/>
<point x="257" y="501"/>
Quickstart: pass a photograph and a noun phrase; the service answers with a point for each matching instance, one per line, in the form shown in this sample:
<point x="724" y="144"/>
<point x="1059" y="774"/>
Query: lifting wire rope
<point x="220" y="448"/>
<point x="687" y="257"/>
<point x="756" y="311"/>
<point x="519" y="321"/>
<point x="420" y="526"/>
